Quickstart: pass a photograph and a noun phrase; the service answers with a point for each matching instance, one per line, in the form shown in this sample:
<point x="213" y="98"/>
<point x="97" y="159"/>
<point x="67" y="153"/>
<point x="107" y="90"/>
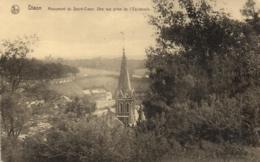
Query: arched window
<point x="127" y="107"/>
<point x="120" y="107"/>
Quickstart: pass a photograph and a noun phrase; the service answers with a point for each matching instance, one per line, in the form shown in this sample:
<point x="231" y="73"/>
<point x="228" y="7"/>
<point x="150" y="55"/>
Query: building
<point x="101" y="98"/>
<point x="125" y="101"/>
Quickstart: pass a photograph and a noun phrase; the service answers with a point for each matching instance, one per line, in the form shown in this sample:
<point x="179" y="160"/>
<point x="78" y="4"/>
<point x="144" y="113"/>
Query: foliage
<point x="80" y="107"/>
<point x="16" y="68"/>
<point x="40" y="91"/>
<point x="14" y="114"/>
<point x="37" y="70"/>
<point x="13" y="60"/>
<point x="84" y="140"/>
<point x="204" y="72"/>
<point x="94" y="139"/>
<point x="17" y="72"/>
<point x="190" y="123"/>
<point x="10" y="153"/>
<point x="252" y="14"/>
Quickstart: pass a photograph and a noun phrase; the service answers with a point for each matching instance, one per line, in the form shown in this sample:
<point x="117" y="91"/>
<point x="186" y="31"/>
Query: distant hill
<point x="106" y="64"/>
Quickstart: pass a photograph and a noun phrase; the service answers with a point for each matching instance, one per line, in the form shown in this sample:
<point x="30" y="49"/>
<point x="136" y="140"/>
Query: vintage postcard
<point x="129" y="80"/>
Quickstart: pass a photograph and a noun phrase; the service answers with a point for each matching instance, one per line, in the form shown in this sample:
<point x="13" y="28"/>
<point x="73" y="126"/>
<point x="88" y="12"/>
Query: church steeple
<point x="124" y="84"/>
<point x="125" y="102"/>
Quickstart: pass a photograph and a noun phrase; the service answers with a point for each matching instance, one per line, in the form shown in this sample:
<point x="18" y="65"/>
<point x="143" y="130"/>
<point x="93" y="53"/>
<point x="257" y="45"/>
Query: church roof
<point x="124" y="84"/>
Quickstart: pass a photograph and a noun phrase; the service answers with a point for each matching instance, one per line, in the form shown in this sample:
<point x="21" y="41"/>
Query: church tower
<point x="125" y="103"/>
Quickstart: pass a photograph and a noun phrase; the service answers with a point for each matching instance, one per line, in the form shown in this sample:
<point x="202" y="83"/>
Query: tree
<point x="201" y="53"/>
<point x="86" y="139"/>
<point x="15" y="115"/>
<point x="18" y="71"/>
<point x="13" y="110"/>
<point x="250" y="10"/>
<point x="17" y="68"/>
<point x="80" y="107"/>
<point x="39" y="70"/>
<point x="13" y="60"/>
<point x="94" y="139"/>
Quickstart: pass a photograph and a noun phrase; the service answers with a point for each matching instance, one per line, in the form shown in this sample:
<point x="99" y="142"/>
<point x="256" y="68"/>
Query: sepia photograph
<point x="130" y="81"/>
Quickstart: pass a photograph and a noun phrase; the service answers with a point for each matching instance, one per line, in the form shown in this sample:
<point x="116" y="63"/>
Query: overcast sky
<point x="88" y="34"/>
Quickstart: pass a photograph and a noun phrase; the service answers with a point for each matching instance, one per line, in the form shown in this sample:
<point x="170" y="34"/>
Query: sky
<point x="87" y="34"/>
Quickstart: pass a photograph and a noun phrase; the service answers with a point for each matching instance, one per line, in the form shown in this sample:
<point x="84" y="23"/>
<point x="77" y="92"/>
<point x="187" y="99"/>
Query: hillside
<point x="93" y="78"/>
<point x="106" y="63"/>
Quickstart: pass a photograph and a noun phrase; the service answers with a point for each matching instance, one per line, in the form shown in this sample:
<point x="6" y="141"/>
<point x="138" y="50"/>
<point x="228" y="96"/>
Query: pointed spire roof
<point x="124" y="84"/>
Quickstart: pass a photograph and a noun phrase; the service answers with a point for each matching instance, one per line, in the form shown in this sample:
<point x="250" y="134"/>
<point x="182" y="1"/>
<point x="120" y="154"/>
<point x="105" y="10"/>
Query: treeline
<point x="16" y="67"/>
<point x="35" y="70"/>
<point x="106" y="64"/>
